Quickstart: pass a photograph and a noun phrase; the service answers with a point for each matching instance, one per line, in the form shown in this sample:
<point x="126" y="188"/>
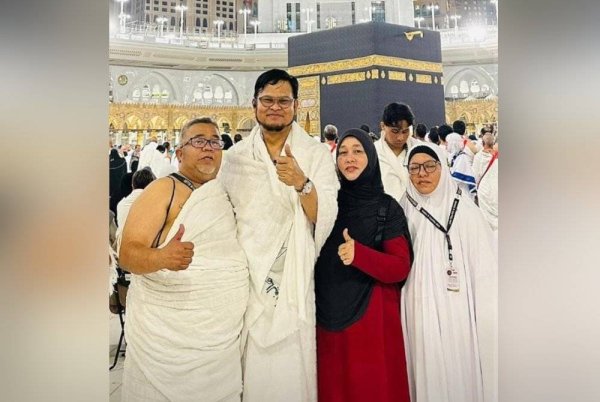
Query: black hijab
<point x="343" y="292"/>
<point x="118" y="169"/>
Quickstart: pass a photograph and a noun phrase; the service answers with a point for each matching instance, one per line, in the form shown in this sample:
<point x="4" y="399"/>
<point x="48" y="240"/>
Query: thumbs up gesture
<point x="288" y="170"/>
<point x="177" y="255"/>
<point x="346" y="249"/>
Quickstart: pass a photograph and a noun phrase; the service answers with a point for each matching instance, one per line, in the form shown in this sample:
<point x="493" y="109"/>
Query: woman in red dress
<point x="358" y="275"/>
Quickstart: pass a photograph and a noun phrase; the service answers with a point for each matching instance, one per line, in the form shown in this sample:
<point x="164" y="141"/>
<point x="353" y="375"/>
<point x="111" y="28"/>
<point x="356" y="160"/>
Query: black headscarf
<point x="422" y="149"/>
<point x="118" y="169"/>
<point x="343" y="292"/>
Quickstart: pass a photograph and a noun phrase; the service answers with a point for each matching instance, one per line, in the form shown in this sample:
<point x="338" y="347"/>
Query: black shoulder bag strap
<point x="157" y="238"/>
<point x="381" y="216"/>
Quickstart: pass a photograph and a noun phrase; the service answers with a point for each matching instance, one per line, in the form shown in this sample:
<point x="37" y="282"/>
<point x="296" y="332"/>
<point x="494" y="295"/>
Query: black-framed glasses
<point x="268" y="101"/>
<point x="200" y="142"/>
<point x="429" y="167"/>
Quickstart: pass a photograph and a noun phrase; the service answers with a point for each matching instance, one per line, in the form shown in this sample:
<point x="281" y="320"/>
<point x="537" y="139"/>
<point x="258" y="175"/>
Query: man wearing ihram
<point x="283" y="188"/>
<point x="189" y="287"/>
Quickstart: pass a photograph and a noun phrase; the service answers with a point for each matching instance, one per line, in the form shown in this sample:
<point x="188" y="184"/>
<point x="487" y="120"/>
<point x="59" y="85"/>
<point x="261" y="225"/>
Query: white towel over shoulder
<point x="183" y="328"/>
<point x="280" y="359"/>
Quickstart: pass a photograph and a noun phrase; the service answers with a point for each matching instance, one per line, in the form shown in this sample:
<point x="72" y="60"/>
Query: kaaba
<point x="348" y="75"/>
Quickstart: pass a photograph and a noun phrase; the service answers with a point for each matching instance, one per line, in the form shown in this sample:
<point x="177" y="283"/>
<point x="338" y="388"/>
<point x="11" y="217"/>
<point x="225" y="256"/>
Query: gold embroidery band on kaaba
<point x="366" y="62"/>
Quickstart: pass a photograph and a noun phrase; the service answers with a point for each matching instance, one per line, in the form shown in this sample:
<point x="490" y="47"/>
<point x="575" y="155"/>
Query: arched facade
<point x="476" y="113"/>
<point x="246" y="125"/>
<point x="472" y="82"/>
<point x="140" y="121"/>
<point x="166" y="86"/>
<point x="153" y="87"/>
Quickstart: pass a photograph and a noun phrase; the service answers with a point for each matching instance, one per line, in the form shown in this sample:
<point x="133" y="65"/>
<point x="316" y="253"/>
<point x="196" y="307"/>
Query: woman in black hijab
<point x="118" y="169"/>
<point x="360" y="348"/>
<point x="228" y="141"/>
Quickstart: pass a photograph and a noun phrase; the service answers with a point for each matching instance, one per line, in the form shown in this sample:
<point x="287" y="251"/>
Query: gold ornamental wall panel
<point x="140" y="118"/>
<point x="143" y="118"/>
<point x="475" y="113"/>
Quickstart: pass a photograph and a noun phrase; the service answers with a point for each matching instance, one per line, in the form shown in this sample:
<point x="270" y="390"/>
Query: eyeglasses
<point x="269" y="101"/>
<point x="199" y="142"/>
<point x="429" y="167"/>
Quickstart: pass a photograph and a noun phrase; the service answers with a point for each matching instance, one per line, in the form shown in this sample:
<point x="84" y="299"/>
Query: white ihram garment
<point x="394" y="173"/>
<point x="480" y="163"/>
<point x="183" y="327"/>
<point x="146" y="155"/>
<point x="487" y="194"/>
<point x="123" y="208"/>
<point x="450" y="337"/>
<point x="280" y="352"/>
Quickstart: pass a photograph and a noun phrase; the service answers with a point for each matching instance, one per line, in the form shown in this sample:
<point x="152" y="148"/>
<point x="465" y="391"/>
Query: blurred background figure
<point x="330" y="132"/>
<point x="227" y="140"/>
<point x="117" y="169"/>
<point x="140" y="180"/>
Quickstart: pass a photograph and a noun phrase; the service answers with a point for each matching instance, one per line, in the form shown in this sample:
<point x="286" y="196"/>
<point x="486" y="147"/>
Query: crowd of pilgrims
<point x="418" y="221"/>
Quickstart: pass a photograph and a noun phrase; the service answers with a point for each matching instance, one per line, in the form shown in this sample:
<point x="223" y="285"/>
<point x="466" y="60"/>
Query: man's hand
<point x="288" y="170"/>
<point x="346" y="250"/>
<point x="177" y="255"/>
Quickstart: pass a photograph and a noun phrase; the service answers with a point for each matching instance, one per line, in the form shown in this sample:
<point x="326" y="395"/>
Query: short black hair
<point x="161" y="149"/>
<point x="459" y="127"/>
<point x="395" y="112"/>
<point x="142" y="178"/>
<point x="421" y="130"/>
<point x="433" y="135"/>
<point x="443" y="131"/>
<point x="272" y="77"/>
<point x="134" y="165"/>
<point x="365" y="128"/>
<point x="237" y="138"/>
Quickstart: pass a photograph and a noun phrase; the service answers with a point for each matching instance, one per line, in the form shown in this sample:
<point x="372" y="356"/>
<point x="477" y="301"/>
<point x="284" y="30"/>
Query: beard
<point x="271" y="127"/>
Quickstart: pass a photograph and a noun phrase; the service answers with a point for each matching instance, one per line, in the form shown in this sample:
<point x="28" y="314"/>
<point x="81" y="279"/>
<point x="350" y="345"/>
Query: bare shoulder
<point x="157" y="190"/>
<point x="154" y="198"/>
<point x="147" y="213"/>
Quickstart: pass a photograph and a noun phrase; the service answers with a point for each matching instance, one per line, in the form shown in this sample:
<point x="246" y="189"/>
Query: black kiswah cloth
<point x="343" y="292"/>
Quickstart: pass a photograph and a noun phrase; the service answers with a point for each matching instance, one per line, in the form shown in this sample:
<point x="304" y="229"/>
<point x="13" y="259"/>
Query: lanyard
<point x="184" y="180"/>
<point x="436" y="223"/>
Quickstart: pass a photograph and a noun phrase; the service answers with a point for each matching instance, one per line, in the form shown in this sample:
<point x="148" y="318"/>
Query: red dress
<point x="365" y="362"/>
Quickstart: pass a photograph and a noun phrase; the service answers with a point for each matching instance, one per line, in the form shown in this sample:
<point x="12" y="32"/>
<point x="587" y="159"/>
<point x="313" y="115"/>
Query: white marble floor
<point x="117" y="373"/>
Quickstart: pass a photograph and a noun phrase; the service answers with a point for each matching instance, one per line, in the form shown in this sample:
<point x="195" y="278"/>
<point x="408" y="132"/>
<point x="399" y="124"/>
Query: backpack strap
<point x="381" y="217"/>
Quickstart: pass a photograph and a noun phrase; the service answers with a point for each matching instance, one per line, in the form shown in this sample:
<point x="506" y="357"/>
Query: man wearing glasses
<point x="392" y="148"/>
<point x="283" y="188"/>
<point x="189" y="286"/>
